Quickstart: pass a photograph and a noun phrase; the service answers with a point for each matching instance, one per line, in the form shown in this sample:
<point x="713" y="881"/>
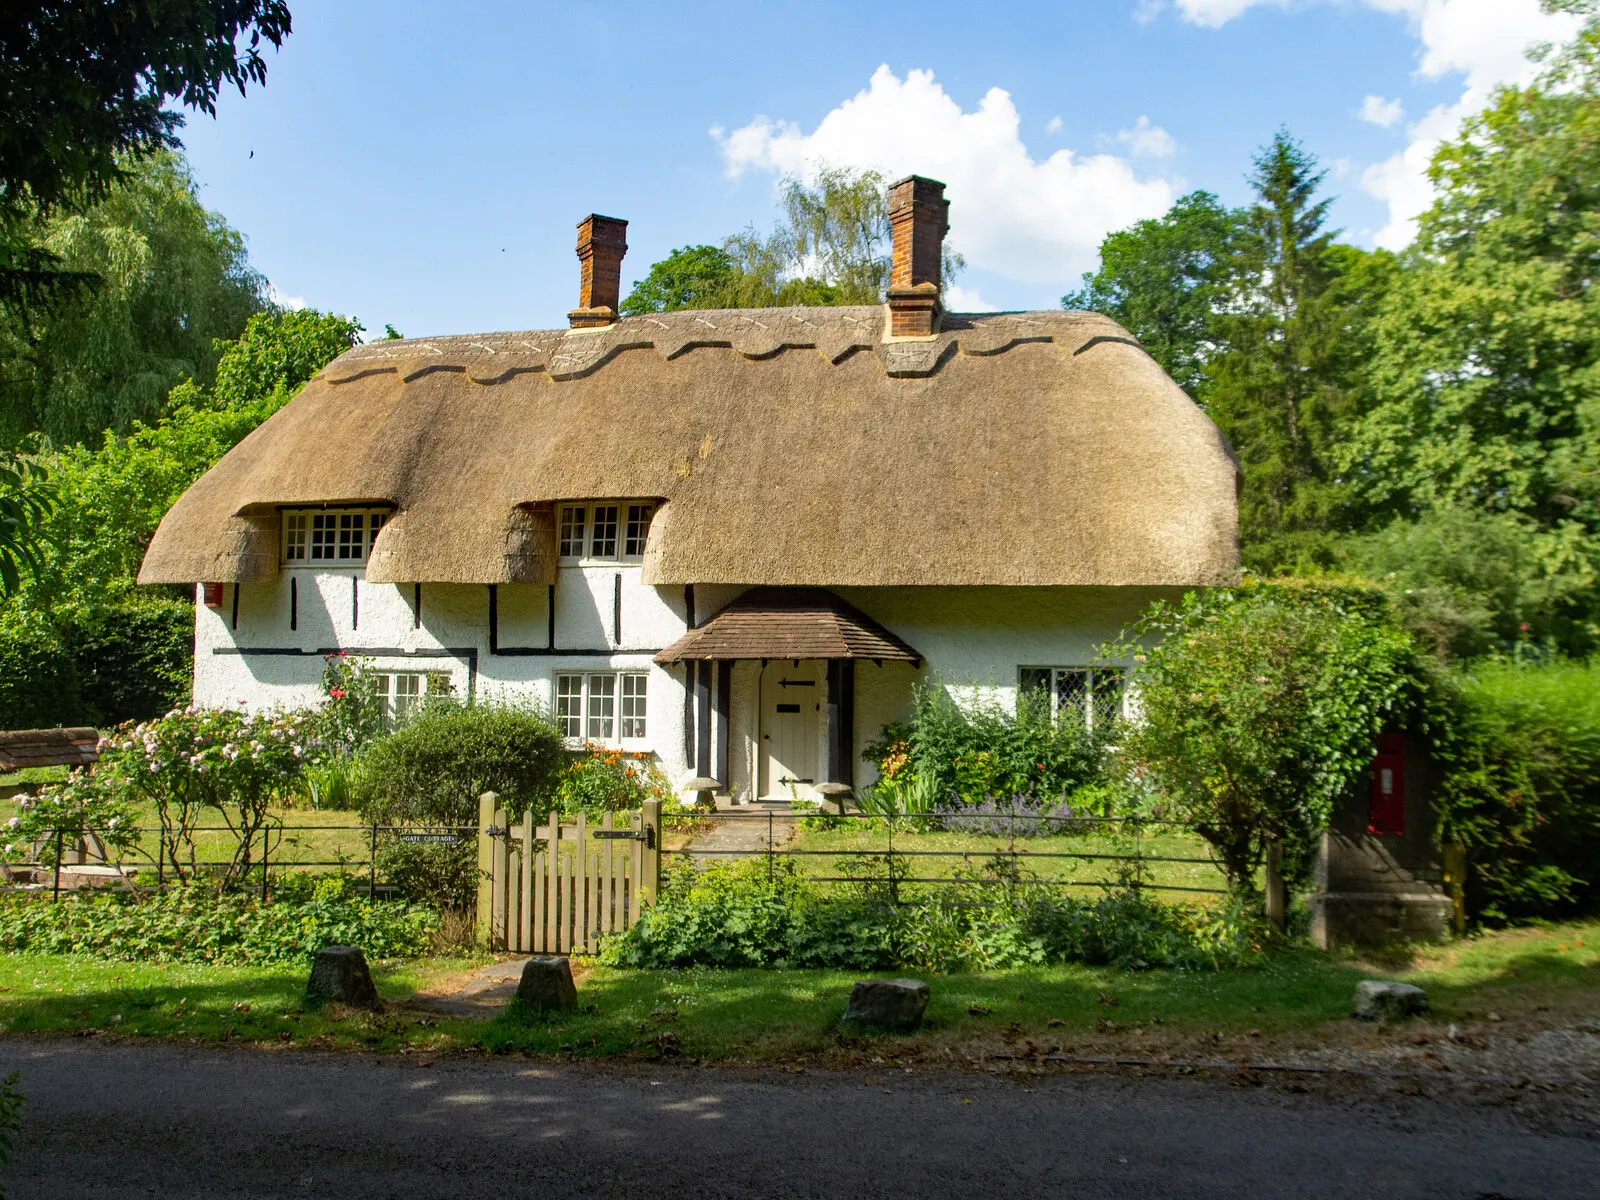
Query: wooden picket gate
<point x="558" y="889"/>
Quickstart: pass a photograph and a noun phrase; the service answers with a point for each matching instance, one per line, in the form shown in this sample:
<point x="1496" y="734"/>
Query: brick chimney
<point x="602" y="241"/>
<point x="919" y="215"/>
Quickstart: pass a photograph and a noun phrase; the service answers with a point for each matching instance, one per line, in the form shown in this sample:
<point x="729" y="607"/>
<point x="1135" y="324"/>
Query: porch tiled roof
<point x="777" y="623"/>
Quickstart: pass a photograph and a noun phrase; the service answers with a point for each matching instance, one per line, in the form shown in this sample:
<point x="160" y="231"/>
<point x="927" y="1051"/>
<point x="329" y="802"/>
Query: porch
<point x="771" y="693"/>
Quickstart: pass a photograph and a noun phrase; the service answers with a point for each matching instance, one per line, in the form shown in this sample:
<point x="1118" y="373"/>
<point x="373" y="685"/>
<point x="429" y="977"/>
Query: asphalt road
<point x="122" y="1121"/>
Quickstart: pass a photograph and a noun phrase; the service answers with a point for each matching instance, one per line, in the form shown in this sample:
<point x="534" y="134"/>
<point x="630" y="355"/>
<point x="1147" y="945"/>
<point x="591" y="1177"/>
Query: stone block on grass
<point x="547" y="985"/>
<point x="887" y="1003"/>
<point x="339" y="975"/>
<point x="1381" y="1000"/>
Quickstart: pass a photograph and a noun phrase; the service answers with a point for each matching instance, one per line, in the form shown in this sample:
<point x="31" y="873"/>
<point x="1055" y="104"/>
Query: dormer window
<point x="331" y="537"/>
<point x="608" y="532"/>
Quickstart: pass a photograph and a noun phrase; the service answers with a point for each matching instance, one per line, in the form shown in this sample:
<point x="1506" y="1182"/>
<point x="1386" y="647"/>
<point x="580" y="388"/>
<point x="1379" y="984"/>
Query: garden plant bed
<point x="1522" y="1004"/>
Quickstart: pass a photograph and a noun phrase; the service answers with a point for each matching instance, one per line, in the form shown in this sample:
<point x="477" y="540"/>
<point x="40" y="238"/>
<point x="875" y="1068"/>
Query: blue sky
<point x="424" y="164"/>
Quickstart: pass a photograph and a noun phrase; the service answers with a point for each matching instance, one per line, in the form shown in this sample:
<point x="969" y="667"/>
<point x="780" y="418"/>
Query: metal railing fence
<point x="267" y="854"/>
<point x="1046" y="842"/>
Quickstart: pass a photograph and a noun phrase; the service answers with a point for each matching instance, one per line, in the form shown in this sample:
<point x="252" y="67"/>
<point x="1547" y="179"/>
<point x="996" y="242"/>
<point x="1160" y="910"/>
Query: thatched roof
<point x="791" y="446"/>
<point x="776" y="623"/>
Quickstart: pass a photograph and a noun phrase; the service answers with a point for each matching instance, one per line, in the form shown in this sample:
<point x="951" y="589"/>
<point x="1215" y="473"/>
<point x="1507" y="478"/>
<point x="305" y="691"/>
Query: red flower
<point x="336" y="693"/>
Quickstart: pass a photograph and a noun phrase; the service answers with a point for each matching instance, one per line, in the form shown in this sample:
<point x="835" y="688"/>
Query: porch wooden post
<point x="702" y="712"/>
<point x="724" y="709"/>
<point x="841" y="720"/>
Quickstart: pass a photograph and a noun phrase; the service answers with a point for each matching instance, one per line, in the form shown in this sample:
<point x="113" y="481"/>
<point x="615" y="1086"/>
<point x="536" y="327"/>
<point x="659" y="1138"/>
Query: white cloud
<point x="1375" y="110"/>
<point x="1036" y="220"/>
<point x="1053" y="125"/>
<point x="1146" y="140"/>
<point x="959" y="299"/>
<point x="274" y="296"/>
<point x="1484" y="41"/>
<point x="1214" y="14"/>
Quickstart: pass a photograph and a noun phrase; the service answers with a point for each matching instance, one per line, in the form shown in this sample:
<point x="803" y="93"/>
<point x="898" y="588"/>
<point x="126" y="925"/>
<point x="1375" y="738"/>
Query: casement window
<point x="604" y="532"/>
<point x="1094" y="695"/>
<point x="400" y="693"/>
<point x="602" y="706"/>
<point x="334" y="537"/>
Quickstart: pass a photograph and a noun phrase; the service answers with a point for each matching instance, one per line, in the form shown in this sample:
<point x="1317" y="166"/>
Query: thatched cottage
<point x="731" y="538"/>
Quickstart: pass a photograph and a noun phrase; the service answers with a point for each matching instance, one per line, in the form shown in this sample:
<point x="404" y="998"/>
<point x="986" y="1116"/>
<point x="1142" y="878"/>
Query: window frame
<point x="601" y="713"/>
<point x="1094" y="680"/>
<point x="307" y="530"/>
<point x="385" y="688"/>
<point x="610" y="532"/>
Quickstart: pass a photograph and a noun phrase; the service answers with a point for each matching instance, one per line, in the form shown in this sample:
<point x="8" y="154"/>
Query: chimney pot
<point x="602" y="241"/>
<point x="919" y="216"/>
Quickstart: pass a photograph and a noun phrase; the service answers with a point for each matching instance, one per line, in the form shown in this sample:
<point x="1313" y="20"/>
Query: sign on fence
<point x="558" y="889"/>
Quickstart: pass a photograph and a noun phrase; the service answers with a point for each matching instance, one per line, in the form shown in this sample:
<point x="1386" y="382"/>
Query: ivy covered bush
<point x="1259" y="708"/>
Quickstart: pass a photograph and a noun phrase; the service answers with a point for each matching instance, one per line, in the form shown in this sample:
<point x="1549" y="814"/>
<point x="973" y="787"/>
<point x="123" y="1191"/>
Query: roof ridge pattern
<point x="758" y="333"/>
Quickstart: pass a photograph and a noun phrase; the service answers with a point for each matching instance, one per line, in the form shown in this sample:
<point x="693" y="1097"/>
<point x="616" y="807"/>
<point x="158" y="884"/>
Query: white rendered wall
<point x="972" y="639"/>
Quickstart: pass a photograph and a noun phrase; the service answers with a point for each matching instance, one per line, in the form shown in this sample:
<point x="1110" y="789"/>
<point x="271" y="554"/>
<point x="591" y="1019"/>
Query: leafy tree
<point x="1163" y="279"/>
<point x="1293" y="331"/>
<point x="689" y="277"/>
<point x="78" y="641"/>
<point x="83" y="89"/>
<point x="830" y="246"/>
<point x="1486" y="365"/>
<point x="25" y="500"/>
<point x="172" y="279"/>
<point x="81" y="85"/>
<point x="1258" y="710"/>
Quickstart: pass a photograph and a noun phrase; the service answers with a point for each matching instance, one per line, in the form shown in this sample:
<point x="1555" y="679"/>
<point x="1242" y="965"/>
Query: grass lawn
<point x="1548" y="974"/>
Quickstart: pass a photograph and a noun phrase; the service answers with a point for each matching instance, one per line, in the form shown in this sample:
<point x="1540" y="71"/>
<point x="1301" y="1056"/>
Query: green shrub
<point x="129" y="660"/>
<point x="135" y="660"/>
<point x="38" y="677"/>
<point x="1521" y="788"/>
<point x="984" y="750"/>
<point x="735" y="916"/>
<point x="435" y="768"/>
<point x="438" y="874"/>
<point x="197" y="925"/>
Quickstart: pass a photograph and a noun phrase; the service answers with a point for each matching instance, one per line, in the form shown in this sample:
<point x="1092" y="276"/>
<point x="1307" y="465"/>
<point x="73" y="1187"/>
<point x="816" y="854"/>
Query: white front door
<point x="791" y="708"/>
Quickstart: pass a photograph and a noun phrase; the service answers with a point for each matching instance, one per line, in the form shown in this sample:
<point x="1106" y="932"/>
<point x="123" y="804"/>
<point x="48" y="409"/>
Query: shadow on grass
<point x="756" y="1015"/>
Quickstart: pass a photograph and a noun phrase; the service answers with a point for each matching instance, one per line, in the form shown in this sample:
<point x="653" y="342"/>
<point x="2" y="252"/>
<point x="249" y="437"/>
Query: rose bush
<point x="194" y="759"/>
<point x="59" y="816"/>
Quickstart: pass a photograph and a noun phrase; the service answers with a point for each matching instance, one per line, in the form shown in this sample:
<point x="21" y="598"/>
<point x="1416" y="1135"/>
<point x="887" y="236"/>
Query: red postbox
<point x="212" y="594"/>
<point x="1388" y="810"/>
